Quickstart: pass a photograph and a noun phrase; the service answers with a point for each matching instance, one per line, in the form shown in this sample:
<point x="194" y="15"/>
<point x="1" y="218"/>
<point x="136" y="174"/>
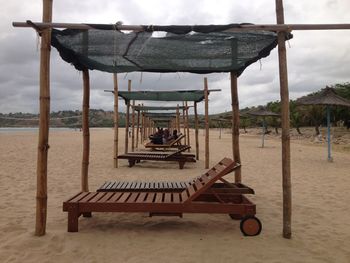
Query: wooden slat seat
<point x="171" y="144"/>
<point x="195" y="198"/>
<point x="177" y="156"/>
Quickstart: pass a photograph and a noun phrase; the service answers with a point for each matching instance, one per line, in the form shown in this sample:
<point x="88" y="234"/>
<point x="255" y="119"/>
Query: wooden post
<point x="235" y="126"/>
<point x="196" y="130"/>
<point x="86" y="132"/>
<point x="187" y="126"/>
<point x="127" y="121"/>
<point x="116" y="119"/>
<point x="133" y="126"/>
<point x="178" y="119"/>
<point x="206" y="123"/>
<point x="137" y="128"/>
<point x="184" y="120"/>
<point x="286" y="171"/>
<point x="142" y="126"/>
<point x="43" y="143"/>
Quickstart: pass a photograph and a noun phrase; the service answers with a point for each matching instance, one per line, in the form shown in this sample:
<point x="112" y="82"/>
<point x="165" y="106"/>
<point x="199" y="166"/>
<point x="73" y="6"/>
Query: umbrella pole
<point x="330" y="159"/>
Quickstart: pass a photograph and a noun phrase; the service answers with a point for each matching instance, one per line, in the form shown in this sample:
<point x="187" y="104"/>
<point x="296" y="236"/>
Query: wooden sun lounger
<point x="172" y="144"/>
<point x="177" y="156"/>
<point x="196" y="198"/>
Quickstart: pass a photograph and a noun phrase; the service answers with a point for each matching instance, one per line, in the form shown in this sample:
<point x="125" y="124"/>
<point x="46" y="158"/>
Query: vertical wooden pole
<point x="127" y="121"/>
<point x="116" y="119"/>
<point x="133" y="126"/>
<point x="196" y="129"/>
<point x="149" y="126"/>
<point x="286" y="171"/>
<point x="143" y="126"/>
<point x="86" y="132"/>
<point x="206" y="107"/>
<point x="235" y="125"/>
<point x="138" y="127"/>
<point x="184" y="120"/>
<point x="178" y="119"/>
<point x="43" y="143"/>
<point x="187" y="126"/>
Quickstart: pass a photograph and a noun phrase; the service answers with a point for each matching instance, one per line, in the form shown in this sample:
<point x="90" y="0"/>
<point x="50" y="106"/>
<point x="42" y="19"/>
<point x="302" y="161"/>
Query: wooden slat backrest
<point x="205" y="181"/>
<point x="179" y="138"/>
<point x="180" y="150"/>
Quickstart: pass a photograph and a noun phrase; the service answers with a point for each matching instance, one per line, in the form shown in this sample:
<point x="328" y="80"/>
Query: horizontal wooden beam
<point x="258" y="27"/>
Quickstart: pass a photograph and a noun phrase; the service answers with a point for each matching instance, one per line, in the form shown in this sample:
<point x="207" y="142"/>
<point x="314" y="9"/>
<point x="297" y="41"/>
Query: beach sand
<point x="320" y="189"/>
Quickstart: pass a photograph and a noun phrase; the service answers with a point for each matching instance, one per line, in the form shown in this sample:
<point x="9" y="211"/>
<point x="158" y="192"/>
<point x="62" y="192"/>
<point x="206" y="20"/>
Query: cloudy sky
<point x="315" y="59"/>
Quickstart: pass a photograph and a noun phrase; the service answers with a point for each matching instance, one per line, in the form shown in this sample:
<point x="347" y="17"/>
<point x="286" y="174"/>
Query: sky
<point x="315" y="58"/>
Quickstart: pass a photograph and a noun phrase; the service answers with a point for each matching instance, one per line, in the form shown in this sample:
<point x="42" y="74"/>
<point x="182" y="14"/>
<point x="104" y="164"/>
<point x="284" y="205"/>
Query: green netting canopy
<point x="160" y="115"/>
<point x="158" y="108"/>
<point x="196" y="49"/>
<point x="178" y="95"/>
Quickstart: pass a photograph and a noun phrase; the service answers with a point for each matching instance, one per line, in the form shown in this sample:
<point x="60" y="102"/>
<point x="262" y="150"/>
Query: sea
<point x="30" y="129"/>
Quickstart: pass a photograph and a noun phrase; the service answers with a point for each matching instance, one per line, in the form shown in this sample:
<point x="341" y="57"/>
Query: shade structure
<point x="195" y="49"/>
<point x="327" y="97"/>
<point x="174" y="95"/>
<point x="281" y="37"/>
<point x="158" y="108"/>
<point x="261" y="112"/>
<point x="154" y="115"/>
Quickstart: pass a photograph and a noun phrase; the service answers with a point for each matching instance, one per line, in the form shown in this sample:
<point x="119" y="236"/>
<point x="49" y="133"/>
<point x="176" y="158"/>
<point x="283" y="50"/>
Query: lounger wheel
<point x="250" y="226"/>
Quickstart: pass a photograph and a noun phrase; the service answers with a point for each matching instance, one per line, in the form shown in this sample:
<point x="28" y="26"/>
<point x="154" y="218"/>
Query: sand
<point x="321" y="198"/>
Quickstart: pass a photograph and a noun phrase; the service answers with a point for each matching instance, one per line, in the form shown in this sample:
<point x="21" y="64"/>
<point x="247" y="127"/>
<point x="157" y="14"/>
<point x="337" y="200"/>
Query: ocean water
<point x="28" y="129"/>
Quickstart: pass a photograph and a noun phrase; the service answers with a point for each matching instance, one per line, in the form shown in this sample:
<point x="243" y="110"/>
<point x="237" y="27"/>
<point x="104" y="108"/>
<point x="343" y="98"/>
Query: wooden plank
<point x="219" y="167"/>
<point x="191" y="190"/>
<point x="78" y="197"/>
<point x="133" y="197"/>
<point x="159" y="198"/>
<point x="176" y="197"/>
<point x="226" y="161"/>
<point x="124" y="197"/>
<point x="115" y="197"/>
<point x="111" y="185"/>
<point x="184" y="195"/>
<point x="88" y="197"/>
<point x="131" y="185"/>
<point x="141" y="197"/>
<point x="167" y="198"/>
<point x="138" y="185"/>
<point x="104" y="185"/>
<point x="106" y="197"/>
<point x="120" y="185"/>
<point x="149" y="198"/>
<point x="97" y="197"/>
<point x="198" y="184"/>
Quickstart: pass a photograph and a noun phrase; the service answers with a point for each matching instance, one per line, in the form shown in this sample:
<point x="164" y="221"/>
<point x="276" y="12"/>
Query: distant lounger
<point x="171" y="144"/>
<point x="177" y="156"/>
<point x="197" y="197"/>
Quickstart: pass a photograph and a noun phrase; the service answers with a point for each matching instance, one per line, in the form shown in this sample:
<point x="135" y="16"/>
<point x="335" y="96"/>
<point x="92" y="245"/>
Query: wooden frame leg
<point x="73" y="216"/>
<point x="131" y="162"/>
<point x="181" y="164"/>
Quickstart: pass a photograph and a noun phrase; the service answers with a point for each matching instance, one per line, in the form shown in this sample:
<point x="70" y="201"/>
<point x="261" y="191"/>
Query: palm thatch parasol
<point x="328" y="97"/>
<point x="261" y="112"/>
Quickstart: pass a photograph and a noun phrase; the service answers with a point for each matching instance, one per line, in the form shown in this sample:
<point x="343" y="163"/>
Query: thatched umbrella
<point x="327" y="97"/>
<point x="261" y="112"/>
